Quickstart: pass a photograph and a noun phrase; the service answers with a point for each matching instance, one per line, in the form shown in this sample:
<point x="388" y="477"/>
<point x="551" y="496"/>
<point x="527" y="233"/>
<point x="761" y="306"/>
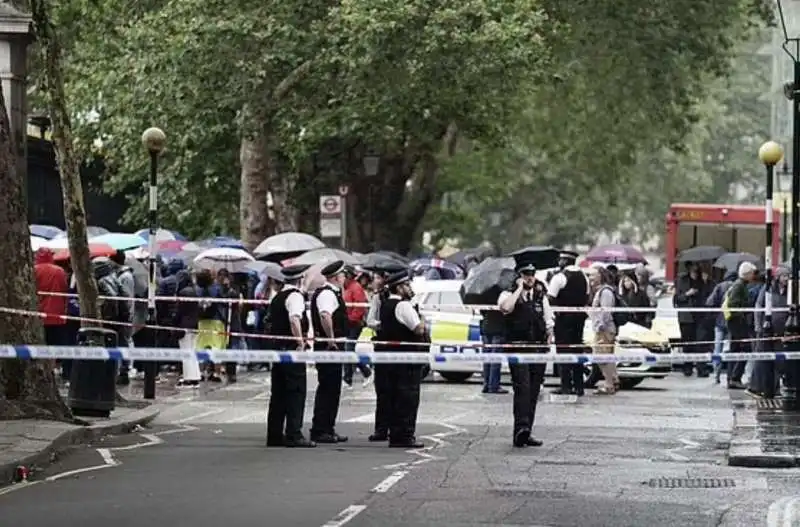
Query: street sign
<point x="343" y="190"/>
<point x="330" y="216"/>
<point x="330" y="205"/>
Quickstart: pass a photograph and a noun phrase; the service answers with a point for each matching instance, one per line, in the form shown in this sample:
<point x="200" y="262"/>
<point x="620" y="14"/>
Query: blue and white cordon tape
<point x="384" y="357"/>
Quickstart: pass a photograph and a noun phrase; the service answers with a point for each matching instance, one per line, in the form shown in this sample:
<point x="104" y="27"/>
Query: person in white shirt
<point x="529" y="320"/>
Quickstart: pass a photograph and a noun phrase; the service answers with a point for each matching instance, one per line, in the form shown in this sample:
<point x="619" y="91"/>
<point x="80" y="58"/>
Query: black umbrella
<point x="487" y="280"/>
<point x="731" y="261"/>
<point x="463" y="257"/>
<point x="541" y="256"/>
<point x="396" y="256"/>
<point x="381" y="259"/>
<point x="701" y="253"/>
<point x="286" y="245"/>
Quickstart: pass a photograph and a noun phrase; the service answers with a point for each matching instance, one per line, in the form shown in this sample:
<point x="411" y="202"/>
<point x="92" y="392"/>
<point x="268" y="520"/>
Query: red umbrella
<point x="616" y="253"/>
<point x="169" y="247"/>
<point x="95" y="250"/>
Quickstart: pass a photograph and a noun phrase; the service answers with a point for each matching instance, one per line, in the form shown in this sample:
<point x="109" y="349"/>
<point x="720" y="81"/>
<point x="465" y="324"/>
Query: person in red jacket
<point x="51" y="278"/>
<point x="356" y="318"/>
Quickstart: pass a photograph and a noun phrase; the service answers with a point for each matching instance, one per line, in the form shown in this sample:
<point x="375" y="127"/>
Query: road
<point x="606" y="461"/>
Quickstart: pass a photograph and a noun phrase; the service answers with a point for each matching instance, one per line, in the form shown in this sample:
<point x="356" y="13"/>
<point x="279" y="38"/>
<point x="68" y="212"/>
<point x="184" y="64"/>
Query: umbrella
<point x="218" y="258"/>
<point x="701" y="253"/>
<point x="380" y="260"/>
<point x="96" y="250"/>
<point x="731" y="261"/>
<point x="47" y="232"/>
<point x="397" y="256"/>
<point x="324" y="256"/>
<point x="444" y="270"/>
<point x="91" y="232"/>
<point x="162" y="235"/>
<point x="268" y="269"/>
<point x="287" y="245"/>
<point x="541" y="256"/>
<point x="463" y="257"/>
<point x="37" y="243"/>
<point x="140" y="275"/>
<point x="120" y="241"/>
<point x="616" y="253"/>
<point x="487" y="280"/>
<point x="216" y="242"/>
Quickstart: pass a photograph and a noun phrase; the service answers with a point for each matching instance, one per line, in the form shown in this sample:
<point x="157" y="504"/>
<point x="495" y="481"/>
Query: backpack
<point x="620" y="317"/>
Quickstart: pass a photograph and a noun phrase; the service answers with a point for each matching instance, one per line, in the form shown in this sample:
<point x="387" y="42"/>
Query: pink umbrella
<point x="616" y="253"/>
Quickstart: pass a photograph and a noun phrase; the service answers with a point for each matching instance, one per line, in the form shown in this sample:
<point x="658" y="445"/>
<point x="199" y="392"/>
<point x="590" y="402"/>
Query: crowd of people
<point x="739" y="331"/>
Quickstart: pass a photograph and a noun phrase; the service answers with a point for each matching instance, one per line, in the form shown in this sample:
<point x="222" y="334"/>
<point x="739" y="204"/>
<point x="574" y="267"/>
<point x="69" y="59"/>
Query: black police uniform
<point x="381" y="374"/>
<point x="329" y="376"/>
<point x="526" y="325"/>
<point x="568" y="330"/>
<point x="288" y="393"/>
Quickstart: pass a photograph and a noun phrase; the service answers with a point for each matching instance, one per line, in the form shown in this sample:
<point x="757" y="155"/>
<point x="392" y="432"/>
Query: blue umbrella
<point x="434" y="268"/>
<point x="47" y="232"/>
<point x="120" y="241"/>
<point x="162" y="235"/>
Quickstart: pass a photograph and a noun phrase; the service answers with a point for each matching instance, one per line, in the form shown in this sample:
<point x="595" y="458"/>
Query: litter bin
<point x="92" y="388"/>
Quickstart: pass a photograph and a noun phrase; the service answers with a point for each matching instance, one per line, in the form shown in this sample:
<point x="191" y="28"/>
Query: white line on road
<point x="75" y="472"/>
<point x="152" y="439"/>
<point x="199" y="416"/>
<point x="366" y="418"/>
<point x="345" y="516"/>
<point x="248" y="417"/>
<point x="105" y="453"/>
<point x="390" y="481"/>
<point x="776" y="512"/>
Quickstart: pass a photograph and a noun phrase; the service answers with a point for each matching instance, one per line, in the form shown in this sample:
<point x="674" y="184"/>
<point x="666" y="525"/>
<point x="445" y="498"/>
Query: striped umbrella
<point x="120" y="240"/>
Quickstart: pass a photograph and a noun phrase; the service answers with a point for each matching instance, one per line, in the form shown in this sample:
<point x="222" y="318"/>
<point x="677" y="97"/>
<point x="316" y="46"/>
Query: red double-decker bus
<point x="736" y="228"/>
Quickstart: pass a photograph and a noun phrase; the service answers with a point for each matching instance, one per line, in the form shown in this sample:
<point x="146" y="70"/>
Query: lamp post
<point x="371" y="166"/>
<point x="792" y="333"/>
<point x="154" y="141"/>
<point x="770" y="155"/>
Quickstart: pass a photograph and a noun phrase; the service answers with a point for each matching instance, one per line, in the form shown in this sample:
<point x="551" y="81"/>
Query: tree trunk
<point x="52" y="81"/>
<point x="254" y="222"/>
<point x="27" y="388"/>
<point x="280" y="186"/>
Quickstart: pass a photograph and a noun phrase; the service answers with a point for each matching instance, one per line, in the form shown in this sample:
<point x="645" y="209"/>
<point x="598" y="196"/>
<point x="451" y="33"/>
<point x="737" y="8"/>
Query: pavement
<point x="653" y="456"/>
<point x="764" y="434"/>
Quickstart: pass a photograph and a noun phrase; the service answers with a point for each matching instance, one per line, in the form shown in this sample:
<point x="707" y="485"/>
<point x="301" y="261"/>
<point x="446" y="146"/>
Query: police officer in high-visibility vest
<point x="401" y="323"/>
<point x="529" y="320"/>
<point x="286" y="317"/>
<point x="329" y="318"/>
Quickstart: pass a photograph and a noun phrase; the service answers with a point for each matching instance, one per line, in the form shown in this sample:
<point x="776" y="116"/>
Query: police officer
<point x="400" y="322"/>
<point x="529" y="320"/>
<point x="569" y="288"/>
<point x="286" y="317"/>
<point x="380" y="371"/>
<point x="329" y="319"/>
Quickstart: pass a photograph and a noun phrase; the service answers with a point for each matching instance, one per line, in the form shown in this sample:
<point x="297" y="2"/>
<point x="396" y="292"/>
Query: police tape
<point x="466" y="344"/>
<point x="32" y="352"/>
<point x="458" y="308"/>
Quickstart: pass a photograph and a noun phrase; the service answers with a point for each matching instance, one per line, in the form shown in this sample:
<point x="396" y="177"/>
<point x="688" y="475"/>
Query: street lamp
<point x="372" y="164"/>
<point x="770" y="154"/>
<point x="154" y="140"/>
<point x="792" y="372"/>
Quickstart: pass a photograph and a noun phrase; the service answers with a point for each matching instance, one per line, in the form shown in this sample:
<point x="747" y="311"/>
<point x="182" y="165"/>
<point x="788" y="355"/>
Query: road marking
<point x="790" y="513"/>
<point x="776" y="512"/>
<point x="366" y="418"/>
<point x="75" y="472"/>
<point x="345" y="516"/>
<point x="390" y="481"/>
<point x="152" y="439"/>
<point x="18" y="486"/>
<point x="199" y="416"/>
<point x="105" y="453"/>
<point x="248" y="417"/>
<point x="263" y="396"/>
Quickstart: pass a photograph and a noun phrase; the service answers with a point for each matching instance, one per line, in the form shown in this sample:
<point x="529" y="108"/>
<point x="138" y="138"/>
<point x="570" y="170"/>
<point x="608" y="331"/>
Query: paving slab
<point x="764" y="435"/>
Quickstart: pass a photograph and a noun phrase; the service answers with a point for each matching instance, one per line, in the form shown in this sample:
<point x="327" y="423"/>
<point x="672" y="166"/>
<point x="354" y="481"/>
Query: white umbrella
<point x="322" y="256"/>
<point x="229" y="258"/>
<point x="286" y="245"/>
<point x="57" y="243"/>
<point x="38" y="242"/>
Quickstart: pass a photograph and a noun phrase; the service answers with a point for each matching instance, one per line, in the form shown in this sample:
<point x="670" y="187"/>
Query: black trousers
<point x="403" y="382"/>
<point x="526" y="380"/>
<point x="287" y="402"/>
<point x="567" y="334"/>
<point x="326" y="400"/>
<point x="382" y="398"/>
<point x="738" y="333"/>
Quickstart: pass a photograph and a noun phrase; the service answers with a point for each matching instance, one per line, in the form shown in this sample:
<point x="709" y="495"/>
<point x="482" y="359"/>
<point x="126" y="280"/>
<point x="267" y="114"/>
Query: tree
<point x="27" y="388"/>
